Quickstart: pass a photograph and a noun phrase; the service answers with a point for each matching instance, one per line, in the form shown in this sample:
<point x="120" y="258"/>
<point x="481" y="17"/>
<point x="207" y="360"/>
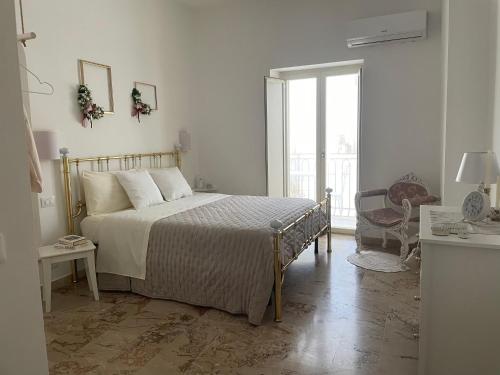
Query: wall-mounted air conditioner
<point x="392" y="28"/>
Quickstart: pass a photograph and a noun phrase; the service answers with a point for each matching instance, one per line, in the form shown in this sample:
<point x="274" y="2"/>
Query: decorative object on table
<point x="98" y="77"/>
<point x="478" y="168"/>
<point x="400" y="201"/>
<point x="452" y="227"/>
<point x="139" y="107"/>
<point x="90" y="111"/>
<point x="200" y="183"/>
<point x="494" y="214"/>
<point x="148" y="92"/>
<point x="70" y="241"/>
<point x="46" y="144"/>
<point x="184" y="140"/>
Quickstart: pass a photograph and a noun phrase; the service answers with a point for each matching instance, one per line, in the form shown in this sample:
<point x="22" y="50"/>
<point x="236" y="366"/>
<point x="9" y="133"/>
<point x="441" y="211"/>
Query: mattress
<point x="123" y="236"/>
<point x="90" y="225"/>
<point x="219" y="254"/>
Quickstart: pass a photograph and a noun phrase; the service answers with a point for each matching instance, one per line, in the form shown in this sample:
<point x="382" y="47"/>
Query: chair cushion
<point x="383" y="217"/>
<point x="407" y="190"/>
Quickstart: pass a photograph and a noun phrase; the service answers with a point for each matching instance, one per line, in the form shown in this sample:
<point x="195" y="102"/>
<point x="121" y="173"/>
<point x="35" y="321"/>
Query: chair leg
<point x="404" y="245"/>
<point x="357" y="236"/>
<point x="47" y="284"/>
<point x="316" y="246"/>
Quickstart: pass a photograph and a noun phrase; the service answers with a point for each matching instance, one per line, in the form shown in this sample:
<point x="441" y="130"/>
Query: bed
<point x="215" y="250"/>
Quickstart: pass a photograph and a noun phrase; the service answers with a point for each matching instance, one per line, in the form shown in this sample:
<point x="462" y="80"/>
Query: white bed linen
<point x="90" y="226"/>
<point x="123" y="236"/>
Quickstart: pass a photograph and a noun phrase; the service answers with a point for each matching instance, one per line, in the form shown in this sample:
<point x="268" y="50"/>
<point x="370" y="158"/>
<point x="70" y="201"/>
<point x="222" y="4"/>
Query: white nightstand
<point x="205" y="190"/>
<point x="48" y="255"/>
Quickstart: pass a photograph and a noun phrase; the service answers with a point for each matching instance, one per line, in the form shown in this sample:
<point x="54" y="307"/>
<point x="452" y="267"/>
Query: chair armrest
<point x="422" y="200"/>
<point x="372" y="193"/>
<point x="433" y="199"/>
<point x="366" y="194"/>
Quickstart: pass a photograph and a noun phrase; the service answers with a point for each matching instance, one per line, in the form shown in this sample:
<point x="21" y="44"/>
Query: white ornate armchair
<point x="406" y="193"/>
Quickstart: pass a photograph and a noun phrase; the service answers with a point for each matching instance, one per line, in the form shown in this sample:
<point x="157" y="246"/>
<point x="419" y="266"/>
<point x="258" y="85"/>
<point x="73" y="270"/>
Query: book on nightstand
<point x="70" y="242"/>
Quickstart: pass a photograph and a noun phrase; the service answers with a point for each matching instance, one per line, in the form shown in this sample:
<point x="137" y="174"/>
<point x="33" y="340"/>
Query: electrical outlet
<point x="47" y="201"/>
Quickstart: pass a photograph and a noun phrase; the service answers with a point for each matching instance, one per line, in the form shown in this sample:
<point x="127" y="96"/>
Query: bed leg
<point x="316" y="246"/>
<point x="277" y="302"/>
<point x="329" y="240"/>
<point x="329" y="219"/>
<point x="277" y="225"/>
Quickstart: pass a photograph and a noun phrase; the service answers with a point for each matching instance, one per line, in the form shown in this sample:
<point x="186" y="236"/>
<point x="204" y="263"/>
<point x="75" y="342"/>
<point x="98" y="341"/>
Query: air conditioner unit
<point x="392" y="28"/>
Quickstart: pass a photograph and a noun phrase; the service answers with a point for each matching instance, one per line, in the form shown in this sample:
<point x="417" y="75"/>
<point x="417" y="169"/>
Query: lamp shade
<point x="478" y="167"/>
<point x="46" y="144"/>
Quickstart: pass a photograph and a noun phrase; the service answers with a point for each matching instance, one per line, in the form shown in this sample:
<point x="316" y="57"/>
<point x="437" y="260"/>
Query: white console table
<point x="460" y="302"/>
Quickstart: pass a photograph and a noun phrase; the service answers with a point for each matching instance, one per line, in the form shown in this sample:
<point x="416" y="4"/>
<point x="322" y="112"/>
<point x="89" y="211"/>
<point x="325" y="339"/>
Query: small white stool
<point x="48" y="255"/>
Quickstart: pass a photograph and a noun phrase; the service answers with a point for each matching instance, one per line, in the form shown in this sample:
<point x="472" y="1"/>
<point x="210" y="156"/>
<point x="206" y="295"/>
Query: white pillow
<point x="103" y="193"/>
<point x="140" y="188"/>
<point x="171" y="182"/>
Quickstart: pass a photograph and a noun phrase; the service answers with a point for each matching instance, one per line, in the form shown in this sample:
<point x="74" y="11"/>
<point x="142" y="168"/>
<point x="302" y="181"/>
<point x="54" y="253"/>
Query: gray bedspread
<point x="221" y="254"/>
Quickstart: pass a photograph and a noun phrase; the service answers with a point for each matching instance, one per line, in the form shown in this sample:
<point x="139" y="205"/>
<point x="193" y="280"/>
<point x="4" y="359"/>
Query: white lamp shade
<point x="477" y="167"/>
<point x="46" y="144"/>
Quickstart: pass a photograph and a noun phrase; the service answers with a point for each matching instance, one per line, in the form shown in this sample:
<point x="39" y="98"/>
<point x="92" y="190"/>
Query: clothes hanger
<point x="42" y="83"/>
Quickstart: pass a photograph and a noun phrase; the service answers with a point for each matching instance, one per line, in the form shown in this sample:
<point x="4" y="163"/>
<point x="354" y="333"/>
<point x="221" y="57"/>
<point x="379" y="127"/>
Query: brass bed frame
<point x="311" y="231"/>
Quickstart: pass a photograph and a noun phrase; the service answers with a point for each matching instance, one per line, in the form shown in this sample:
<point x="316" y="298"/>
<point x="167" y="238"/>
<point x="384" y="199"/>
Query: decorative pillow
<point x="171" y="182"/>
<point x="140" y="188"/>
<point x="103" y="193"/>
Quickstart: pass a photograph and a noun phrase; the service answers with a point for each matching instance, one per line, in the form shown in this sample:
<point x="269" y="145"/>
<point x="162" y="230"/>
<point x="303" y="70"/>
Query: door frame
<point x="321" y="74"/>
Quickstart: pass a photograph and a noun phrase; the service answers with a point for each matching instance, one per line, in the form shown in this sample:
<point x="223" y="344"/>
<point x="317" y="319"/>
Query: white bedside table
<point x="48" y="255"/>
<point x="205" y="190"/>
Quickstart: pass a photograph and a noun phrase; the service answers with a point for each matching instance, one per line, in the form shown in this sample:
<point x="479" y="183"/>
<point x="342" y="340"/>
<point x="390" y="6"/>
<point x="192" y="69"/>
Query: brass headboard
<point x="126" y="161"/>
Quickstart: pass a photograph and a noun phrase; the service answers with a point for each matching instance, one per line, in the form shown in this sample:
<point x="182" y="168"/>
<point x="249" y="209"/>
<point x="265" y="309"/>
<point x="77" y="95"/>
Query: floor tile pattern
<point x="338" y="319"/>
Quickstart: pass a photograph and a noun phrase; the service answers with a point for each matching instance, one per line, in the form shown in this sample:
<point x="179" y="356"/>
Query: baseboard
<point x="343" y="231"/>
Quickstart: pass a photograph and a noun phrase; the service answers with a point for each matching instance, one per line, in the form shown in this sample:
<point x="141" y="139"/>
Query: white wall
<point x="240" y="41"/>
<point x="469" y="76"/>
<point x="22" y="339"/>
<point x="150" y="41"/>
<point x="496" y="99"/>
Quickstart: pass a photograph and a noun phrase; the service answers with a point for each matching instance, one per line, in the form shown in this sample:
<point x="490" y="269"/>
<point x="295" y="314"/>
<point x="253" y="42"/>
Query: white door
<point x="302" y="126"/>
<point x="321" y="149"/>
<point x="275" y="136"/>
<point x="340" y="164"/>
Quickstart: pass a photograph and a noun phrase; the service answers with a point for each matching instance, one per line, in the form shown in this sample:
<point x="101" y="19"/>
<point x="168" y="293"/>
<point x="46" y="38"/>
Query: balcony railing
<point x="341" y="176"/>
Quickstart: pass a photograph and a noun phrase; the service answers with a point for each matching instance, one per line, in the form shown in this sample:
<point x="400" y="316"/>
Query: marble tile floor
<point x="338" y="319"/>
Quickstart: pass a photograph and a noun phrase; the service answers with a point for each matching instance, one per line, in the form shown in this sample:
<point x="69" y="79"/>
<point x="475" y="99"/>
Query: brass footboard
<point x="311" y="233"/>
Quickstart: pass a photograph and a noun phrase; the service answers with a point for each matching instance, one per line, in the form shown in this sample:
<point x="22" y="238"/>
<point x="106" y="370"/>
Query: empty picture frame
<point x="98" y="79"/>
<point x="148" y="94"/>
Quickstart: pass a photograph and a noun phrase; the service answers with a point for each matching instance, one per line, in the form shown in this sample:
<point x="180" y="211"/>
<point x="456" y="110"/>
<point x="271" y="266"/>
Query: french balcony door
<point x="313" y="136"/>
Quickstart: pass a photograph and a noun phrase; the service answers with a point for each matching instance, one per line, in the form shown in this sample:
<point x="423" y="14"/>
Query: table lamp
<point x="479" y="168"/>
<point x="46" y="144"/>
